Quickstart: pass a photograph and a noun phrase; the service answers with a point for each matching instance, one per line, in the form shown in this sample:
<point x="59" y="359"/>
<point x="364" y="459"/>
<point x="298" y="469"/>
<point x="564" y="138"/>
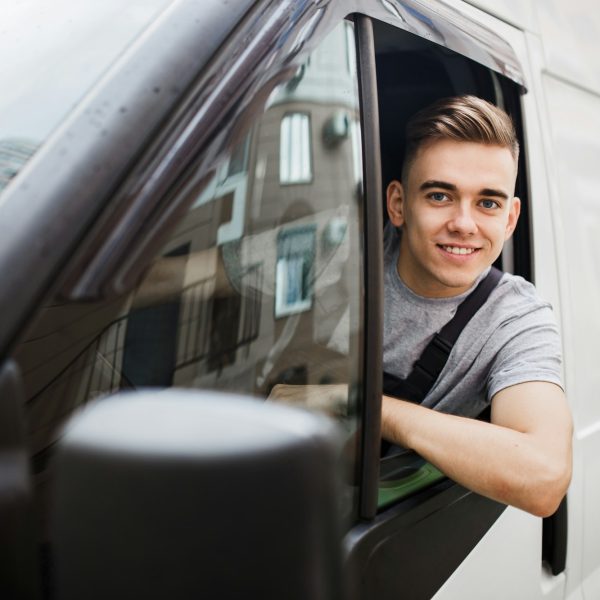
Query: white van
<point x="192" y="198"/>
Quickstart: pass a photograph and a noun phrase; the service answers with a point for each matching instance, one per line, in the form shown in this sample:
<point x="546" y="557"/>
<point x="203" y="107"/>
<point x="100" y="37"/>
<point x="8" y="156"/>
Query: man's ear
<point x="395" y="203"/>
<point x="513" y="217"/>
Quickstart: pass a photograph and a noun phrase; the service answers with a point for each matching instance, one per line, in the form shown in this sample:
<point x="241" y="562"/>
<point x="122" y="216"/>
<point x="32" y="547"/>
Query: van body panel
<point x="552" y="276"/>
<point x="499" y="546"/>
<point x="570" y="32"/>
<point x="575" y="135"/>
<point x="521" y="14"/>
<point x="548" y="252"/>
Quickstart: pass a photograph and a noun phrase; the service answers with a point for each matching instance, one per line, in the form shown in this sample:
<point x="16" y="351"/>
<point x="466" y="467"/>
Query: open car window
<point x="411" y="74"/>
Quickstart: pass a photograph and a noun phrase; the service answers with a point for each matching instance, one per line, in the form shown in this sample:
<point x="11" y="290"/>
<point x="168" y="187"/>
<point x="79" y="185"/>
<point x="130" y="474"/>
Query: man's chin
<point x="453" y="286"/>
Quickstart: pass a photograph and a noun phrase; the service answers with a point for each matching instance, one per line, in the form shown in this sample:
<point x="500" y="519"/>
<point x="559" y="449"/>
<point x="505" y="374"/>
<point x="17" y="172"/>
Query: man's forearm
<point x="501" y="463"/>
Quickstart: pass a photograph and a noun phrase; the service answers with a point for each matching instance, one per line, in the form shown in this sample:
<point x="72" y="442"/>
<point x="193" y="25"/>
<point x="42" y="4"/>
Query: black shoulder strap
<point x="429" y="365"/>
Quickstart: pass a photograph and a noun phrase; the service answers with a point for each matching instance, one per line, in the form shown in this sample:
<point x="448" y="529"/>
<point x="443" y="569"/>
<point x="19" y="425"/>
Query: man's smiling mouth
<point x="460" y="250"/>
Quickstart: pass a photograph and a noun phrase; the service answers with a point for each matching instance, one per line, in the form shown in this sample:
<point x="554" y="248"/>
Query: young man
<point x="449" y="219"/>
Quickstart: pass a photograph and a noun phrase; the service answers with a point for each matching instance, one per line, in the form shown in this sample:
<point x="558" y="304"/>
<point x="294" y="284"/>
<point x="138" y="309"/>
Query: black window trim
<point x="373" y="270"/>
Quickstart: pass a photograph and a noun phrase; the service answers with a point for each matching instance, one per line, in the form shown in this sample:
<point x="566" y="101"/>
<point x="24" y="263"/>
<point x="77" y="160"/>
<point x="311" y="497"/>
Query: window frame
<point x="373" y="268"/>
<point x="505" y="92"/>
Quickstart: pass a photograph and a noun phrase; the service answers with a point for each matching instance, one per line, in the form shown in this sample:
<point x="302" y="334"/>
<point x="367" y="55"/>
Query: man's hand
<point x="329" y="399"/>
<point x="522" y="458"/>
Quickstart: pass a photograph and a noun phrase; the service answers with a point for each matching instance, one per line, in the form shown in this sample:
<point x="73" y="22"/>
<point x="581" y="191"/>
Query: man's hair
<point x="460" y="118"/>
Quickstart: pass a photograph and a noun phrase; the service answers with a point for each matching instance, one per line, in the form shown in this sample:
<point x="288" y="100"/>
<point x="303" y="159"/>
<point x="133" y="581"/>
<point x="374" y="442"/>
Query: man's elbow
<point x="550" y="491"/>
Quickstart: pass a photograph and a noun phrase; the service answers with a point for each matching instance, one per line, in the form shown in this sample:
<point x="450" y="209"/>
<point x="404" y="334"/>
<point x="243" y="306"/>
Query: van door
<point x="241" y="250"/>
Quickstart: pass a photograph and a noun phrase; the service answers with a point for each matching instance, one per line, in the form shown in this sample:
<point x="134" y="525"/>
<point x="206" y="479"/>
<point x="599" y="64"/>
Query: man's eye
<point x="438" y="196"/>
<point x="489" y="204"/>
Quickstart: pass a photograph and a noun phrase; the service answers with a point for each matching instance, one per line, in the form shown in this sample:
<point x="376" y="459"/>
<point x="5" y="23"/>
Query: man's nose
<point x="463" y="220"/>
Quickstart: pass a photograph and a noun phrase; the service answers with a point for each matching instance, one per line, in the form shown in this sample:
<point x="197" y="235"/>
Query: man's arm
<point x="330" y="399"/>
<point x="522" y="458"/>
<point x="164" y="279"/>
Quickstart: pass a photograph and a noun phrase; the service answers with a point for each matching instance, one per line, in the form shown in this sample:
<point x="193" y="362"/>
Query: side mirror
<point x="186" y="494"/>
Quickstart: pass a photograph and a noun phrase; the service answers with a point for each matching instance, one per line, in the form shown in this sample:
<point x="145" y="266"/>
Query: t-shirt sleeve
<point x="531" y="352"/>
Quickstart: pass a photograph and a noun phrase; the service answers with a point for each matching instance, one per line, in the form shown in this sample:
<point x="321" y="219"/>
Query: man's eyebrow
<point x="444" y="185"/>
<point x="432" y="183"/>
<point x="492" y="192"/>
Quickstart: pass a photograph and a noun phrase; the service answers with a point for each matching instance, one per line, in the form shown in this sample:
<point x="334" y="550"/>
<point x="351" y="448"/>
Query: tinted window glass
<point x="259" y="287"/>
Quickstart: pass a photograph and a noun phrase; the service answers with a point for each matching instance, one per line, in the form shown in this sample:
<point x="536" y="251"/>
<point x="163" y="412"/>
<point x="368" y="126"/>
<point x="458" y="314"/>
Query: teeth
<point x="456" y="250"/>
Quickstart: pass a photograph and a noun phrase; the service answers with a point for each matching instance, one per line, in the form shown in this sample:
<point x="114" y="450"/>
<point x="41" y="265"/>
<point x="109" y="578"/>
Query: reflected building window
<point x="239" y="158"/>
<point x="350" y="48"/>
<point x="295" y="155"/>
<point x="295" y="270"/>
<point x="14" y="153"/>
<point x="356" y="151"/>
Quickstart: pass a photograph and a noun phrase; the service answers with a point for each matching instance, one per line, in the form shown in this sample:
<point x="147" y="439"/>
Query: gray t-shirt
<point x="513" y="338"/>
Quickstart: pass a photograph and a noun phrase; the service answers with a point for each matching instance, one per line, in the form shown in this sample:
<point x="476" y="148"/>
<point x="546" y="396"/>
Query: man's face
<point x="456" y="209"/>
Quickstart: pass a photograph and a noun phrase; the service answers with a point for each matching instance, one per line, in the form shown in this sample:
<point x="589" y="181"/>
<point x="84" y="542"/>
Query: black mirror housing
<point x="188" y="494"/>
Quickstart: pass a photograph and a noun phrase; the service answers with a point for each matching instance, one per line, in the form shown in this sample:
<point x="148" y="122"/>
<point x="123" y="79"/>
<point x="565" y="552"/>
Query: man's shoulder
<point x="512" y="308"/>
<point x="514" y="290"/>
